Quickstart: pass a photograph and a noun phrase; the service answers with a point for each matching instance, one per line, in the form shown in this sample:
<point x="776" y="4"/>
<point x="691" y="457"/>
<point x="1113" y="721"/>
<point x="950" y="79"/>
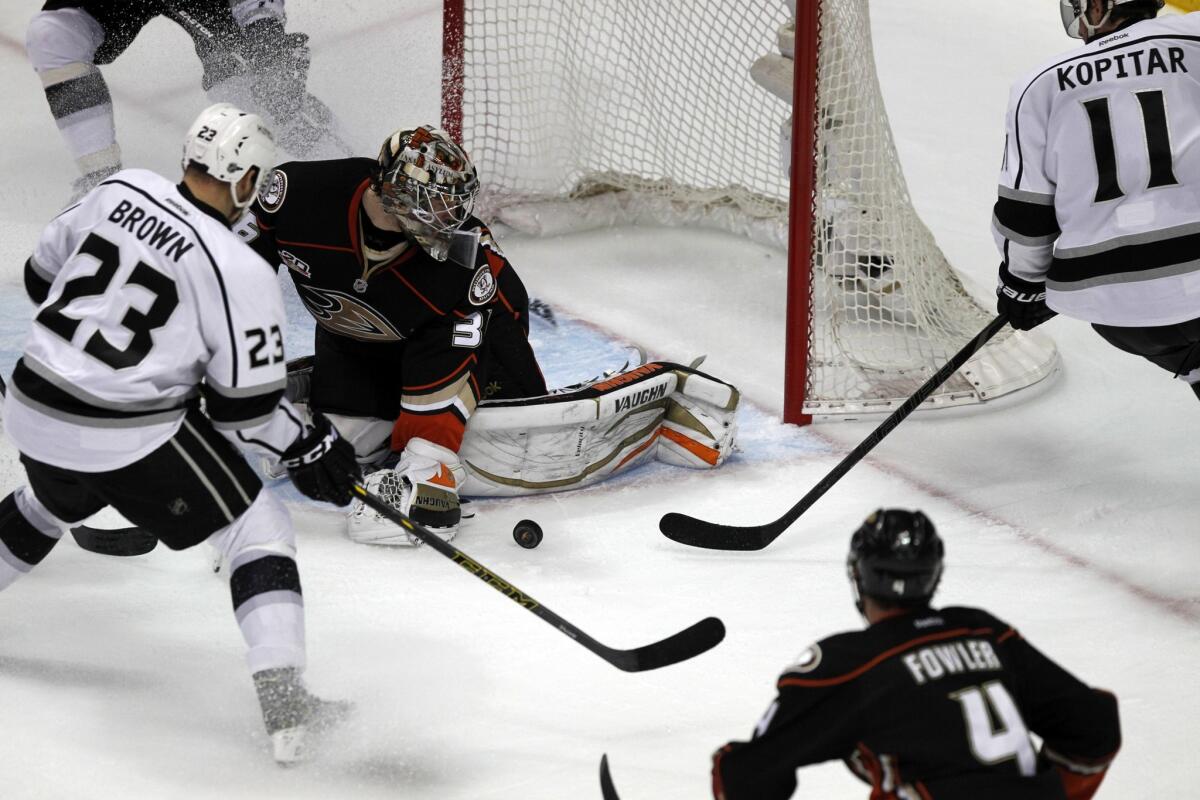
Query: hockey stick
<point x="132" y="541"/>
<point x="197" y="28"/>
<point x="688" y="643"/>
<point x="607" y="790"/>
<point x="715" y="536"/>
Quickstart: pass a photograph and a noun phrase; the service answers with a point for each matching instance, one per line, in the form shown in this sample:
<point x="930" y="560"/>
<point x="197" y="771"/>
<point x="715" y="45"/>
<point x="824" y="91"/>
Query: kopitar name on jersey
<point x="1150" y="61"/>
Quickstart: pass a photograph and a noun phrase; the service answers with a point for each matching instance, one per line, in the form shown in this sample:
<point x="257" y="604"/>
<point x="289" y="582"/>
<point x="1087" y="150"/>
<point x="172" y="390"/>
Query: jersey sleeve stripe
<point x="1125" y="263"/>
<point x="1025" y="221"/>
<point x="37" y="284"/>
<point x="884" y="656"/>
<point x="240" y="412"/>
<point x="40" y="383"/>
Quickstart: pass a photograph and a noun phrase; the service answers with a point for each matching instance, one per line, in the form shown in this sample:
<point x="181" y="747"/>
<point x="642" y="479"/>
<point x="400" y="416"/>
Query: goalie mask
<point x="426" y="181"/>
<point x="895" y="556"/>
<point x="1074" y="14"/>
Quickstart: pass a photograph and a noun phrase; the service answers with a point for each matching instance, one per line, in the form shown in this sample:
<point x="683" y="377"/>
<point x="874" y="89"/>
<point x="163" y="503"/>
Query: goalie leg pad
<point x="696" y="434"/>
<point x="700" y="426"/>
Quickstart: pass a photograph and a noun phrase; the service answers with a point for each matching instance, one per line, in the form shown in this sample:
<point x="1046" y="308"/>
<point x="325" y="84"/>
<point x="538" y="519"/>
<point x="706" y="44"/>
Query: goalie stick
<point x="715" y="536"/>
<point x="688" y="643"/>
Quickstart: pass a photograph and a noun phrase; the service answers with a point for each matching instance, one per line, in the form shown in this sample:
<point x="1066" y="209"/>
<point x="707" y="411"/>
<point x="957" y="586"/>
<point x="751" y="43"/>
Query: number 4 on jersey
<point x="995" y="728"/>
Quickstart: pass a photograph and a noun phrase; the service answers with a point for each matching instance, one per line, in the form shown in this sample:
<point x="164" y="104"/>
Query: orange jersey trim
<point x="884" y="656"/>
<point x="444" y="428"/>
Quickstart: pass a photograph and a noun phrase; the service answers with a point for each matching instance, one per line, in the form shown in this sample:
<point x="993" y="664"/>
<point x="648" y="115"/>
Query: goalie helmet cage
<point x="585" y="113"/>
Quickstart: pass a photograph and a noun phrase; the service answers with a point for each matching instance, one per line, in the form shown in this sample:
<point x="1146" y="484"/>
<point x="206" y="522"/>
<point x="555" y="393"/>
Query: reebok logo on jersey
<point x="148" y="228"/>
<point x="1137" y="62"/>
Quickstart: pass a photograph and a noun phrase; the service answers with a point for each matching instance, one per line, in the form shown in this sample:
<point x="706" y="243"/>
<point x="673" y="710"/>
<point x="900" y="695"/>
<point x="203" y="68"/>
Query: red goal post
<point x="584" y="113"/>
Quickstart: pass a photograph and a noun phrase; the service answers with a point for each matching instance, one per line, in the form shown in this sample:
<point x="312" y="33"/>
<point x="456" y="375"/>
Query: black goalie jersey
<point x="931" y="706"/>
<point x="403" y="337"/>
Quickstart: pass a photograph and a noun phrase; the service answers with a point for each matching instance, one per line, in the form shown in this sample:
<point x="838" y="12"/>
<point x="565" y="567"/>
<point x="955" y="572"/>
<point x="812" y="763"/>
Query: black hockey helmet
<point x="895" y="556"/>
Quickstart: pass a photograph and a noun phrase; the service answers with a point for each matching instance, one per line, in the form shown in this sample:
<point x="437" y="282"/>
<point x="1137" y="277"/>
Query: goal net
<point x="585" y="113"/>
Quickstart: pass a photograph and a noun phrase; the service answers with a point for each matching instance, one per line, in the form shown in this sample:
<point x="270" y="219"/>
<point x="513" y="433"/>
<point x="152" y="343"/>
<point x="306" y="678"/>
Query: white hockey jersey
<point x="147" y="301"/>
<point x="1100" y="187"/>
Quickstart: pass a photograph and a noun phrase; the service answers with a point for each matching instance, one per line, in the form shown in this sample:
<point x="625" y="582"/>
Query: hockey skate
<point x="293" y="716"/>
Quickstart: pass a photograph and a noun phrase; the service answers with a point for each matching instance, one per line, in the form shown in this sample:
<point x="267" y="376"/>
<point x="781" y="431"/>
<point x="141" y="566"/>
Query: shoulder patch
<point x="273" y="190"/>
<point x="483" y="287"/>
<point x="807" y="661"/>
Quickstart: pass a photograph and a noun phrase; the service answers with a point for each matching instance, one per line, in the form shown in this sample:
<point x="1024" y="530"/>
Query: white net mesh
<point x="646" y="111"/>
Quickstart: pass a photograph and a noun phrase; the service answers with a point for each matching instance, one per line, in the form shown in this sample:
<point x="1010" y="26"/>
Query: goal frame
<point x="820" y="340"/>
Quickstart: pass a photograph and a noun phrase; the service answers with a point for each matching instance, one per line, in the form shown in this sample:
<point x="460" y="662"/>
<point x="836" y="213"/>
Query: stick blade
<point x="607" y="790"/>
<point x="132" y="541"/>
<point x="688" y="643"/>
<point x="713" y="536"/>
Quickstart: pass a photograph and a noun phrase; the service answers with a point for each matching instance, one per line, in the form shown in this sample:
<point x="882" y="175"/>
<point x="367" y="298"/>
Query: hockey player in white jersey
<point x="147" y="305"/>
<point x="1098" y="216"/>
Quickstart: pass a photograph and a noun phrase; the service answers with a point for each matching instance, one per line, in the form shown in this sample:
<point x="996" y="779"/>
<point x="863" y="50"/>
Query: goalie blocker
<point x="660" y="410"/>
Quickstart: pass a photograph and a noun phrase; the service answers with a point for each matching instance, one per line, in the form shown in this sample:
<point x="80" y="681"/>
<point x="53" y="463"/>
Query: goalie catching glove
<point x="321" y="463"/>
<point x="423" y="486"/>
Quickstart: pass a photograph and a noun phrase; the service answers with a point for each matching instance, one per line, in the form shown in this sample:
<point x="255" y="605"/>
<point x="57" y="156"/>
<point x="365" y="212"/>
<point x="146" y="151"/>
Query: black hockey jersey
<point x="934" y="705"/>
<point x="434" y="333"/>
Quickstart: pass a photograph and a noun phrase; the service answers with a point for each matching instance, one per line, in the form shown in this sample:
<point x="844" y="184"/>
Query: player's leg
<point x="260" y="551"/>
<point x="1175" y="348"/>
<point x="28" y="529"/>
<point x="198" y="487"/>
<point x="62" y="42"/>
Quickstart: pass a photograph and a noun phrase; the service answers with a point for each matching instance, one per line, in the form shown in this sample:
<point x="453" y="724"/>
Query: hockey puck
<point x="527" y="533"/>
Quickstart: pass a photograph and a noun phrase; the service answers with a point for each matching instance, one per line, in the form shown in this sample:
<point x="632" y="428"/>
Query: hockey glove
<point x="1023" y="301"/>
<point x="321" y="463"/>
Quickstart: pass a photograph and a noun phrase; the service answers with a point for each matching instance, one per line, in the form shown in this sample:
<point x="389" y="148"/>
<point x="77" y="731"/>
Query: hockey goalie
<point x="565" y="440"/>
<point x="421" y="326"/>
